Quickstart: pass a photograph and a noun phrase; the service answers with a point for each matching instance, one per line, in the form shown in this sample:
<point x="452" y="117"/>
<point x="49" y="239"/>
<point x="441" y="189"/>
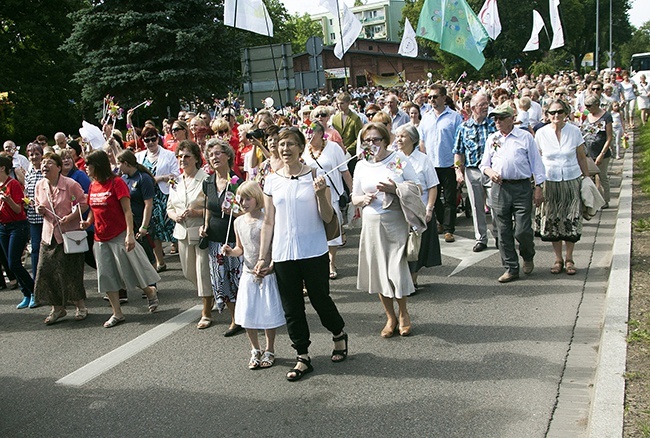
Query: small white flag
<point x="538" y="24"/>
<point x="251" y="15"/>
<point x="331" y="6"/>
<point x="351" y="29"/>
<point x="408" y="46"/>
<point x="489" y="16"/>
<point x="556" y="24"/>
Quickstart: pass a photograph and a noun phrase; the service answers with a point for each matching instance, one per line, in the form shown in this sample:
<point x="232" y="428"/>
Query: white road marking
<point x="462" y="249"/>
<point x="99" y="366"/>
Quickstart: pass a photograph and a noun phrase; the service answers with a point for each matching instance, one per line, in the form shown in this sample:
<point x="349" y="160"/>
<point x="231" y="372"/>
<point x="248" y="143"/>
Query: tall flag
<point x="351" y="28"/>
<point x="332" y="7"/>
<point x="457" y="29"/>
<point x="538" y="24"/>
<point x="556" y="24"/>
<point x="251" y="15"/>
<point x="408" y="46"/>
<point x="489" y="16"/>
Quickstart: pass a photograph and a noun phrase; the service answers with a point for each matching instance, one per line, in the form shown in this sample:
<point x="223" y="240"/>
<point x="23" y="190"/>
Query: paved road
<point x="484" y="360"/>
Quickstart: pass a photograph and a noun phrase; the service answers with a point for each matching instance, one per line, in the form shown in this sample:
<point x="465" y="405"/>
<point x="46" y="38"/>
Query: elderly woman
<point x="598" y="134"/>
<point x="559" y="218"/>
<point x="296" y="204"/>
<point x="164" y="167"/>
<point x="217" y="227"/>
<point x="273" y="163"/>
<point x="60" y="276"/>
<point x="33" y="176"/>
<point x="180" y="132"/>
<point x="186" y="207"/>
<point x="382" y="248"/>
<point x="407" y="139"/>
<point x="322" y="114"/>
<point x="323" y="156"/>
<point x="121" y="264"/>
<point x="14" y="229"/>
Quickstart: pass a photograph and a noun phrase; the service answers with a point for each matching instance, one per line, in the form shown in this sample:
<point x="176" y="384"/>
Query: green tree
<point x="639" y="43"/>
<point x="33" y="70"/>
<point x="300" y="29"/>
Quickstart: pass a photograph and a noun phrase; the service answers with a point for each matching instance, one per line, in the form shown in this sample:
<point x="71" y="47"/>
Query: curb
<point x="607" y="408"/>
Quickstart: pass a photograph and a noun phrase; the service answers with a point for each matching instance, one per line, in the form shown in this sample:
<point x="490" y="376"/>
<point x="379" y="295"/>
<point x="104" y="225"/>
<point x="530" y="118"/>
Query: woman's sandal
<point x="268" y="359"/>
<point x="295" y="374"/>
<point x="113" y="321"/>
<point x="570" y="267"/>
<point x="204" y="323"/>
<point x="254" y="363"/>
<point x="55" y="316"/>
<point x="333" y="274"/>
<point x="557" y="267"/>
<point x="81" y="314"/>
<point x="340" y="355"/>
<point x="388" y="331"/>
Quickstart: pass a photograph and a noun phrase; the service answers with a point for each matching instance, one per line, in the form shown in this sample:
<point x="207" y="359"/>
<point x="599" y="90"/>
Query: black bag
<point x="344" y="200"/>
<point x="204" y="242"/>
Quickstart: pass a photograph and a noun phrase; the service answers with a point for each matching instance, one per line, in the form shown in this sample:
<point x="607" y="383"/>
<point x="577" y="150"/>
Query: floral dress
<point x="162" y="227"/>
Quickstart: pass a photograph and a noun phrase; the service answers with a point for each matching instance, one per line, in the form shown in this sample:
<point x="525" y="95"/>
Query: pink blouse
<point x="66" y="194"/>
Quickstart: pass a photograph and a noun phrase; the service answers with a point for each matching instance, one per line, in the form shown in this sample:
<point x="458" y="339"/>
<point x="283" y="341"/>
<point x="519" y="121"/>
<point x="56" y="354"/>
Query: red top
<point x="14" y="190"/>
<point x="81" y="164"/>
<point x="104" y="200"/>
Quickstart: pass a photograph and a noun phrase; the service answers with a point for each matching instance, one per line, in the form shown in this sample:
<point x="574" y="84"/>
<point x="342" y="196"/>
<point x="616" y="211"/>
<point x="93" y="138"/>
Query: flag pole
<point x="275" y="68"/>
<point x="399" y="75"/>
<point x="232" y="54"/>
<point x="345" y="68"/>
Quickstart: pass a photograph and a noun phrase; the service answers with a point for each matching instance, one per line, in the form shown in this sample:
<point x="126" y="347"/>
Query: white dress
<point x="258" y="303"/>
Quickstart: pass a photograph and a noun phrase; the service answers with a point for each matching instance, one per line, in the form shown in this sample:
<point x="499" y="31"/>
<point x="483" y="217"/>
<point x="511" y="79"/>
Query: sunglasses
<point x="374" y="140"/>
<point x="322" y="115"/>
<point x="177" y="129"/>
<point x="500" y="117"/>
<point x="182" y="157"/>
<point x="553" y="113"/>
<point x="222" y="131"/>
<point x="596" y="88"/>
<point x="370" y="115"/>
<point x="150" y="139"/>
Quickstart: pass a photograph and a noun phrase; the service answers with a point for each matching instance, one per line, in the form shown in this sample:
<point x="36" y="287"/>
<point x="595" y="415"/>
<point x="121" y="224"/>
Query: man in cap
<point x="510" y="160"/>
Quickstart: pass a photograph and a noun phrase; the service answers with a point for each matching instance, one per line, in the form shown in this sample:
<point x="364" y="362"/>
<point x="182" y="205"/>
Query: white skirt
<point x="258" y="305"/>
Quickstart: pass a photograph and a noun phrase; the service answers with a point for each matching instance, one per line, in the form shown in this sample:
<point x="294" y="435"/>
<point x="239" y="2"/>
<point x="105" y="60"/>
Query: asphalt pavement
<point x="484" y="360"/>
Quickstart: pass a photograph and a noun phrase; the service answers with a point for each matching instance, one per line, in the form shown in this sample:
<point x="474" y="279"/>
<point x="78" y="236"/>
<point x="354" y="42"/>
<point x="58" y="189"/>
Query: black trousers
<point x="314" y="272"/>
<point x="446" y="212"/>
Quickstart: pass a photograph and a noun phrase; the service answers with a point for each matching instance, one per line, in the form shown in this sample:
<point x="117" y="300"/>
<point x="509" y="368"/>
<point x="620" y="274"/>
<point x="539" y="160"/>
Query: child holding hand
<point x="258" y="299"/>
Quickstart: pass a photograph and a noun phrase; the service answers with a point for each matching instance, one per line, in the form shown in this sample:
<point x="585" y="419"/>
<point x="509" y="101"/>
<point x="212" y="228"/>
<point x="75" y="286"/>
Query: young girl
<point x="617" y="127"/>
<point x="258" y="299"/>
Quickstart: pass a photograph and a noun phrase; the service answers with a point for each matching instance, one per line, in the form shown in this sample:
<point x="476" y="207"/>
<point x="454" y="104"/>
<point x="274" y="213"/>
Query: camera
<point x="257" y="133"/>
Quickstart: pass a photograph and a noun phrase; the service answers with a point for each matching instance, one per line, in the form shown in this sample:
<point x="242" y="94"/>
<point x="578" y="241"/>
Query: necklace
<point x="313" y="155"/>
<point x="288" y="174"/>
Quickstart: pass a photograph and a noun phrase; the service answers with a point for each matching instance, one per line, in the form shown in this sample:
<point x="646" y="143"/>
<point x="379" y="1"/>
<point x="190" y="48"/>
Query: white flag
<point x="538" y="24"/>
<point x="351" y="29"/>
<point x="489" y="17"/>
<point x="556" y="24"/>
<point x="331" y="6"/>
<point x="408" y="46"/>
<point x="251" y="15"/>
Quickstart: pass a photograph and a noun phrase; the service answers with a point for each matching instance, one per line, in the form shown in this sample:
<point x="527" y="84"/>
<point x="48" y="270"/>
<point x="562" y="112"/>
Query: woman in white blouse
<point x="559" y="217"/>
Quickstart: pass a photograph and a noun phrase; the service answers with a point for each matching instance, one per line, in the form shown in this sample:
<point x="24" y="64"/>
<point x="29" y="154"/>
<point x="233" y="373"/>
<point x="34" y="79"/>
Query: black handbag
<point x="204" y="241"/>
<point x="344" y="199"/>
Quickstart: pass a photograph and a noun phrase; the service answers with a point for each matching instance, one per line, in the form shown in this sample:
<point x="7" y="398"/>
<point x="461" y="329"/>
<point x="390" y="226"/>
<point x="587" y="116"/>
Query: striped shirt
<point x="32" y="176"/>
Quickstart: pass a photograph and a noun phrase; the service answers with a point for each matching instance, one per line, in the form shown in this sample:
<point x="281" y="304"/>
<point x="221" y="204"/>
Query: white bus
<point x="640" y="65"/>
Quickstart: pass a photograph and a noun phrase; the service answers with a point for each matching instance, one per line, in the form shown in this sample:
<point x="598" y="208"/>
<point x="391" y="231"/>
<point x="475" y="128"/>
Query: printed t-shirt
<point x="14" y="190"/>
<point x="104" y="199"/>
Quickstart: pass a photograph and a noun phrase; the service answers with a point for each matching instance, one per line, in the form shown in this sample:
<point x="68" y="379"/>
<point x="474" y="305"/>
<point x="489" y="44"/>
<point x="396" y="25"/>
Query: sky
<point x="639" y="14"/>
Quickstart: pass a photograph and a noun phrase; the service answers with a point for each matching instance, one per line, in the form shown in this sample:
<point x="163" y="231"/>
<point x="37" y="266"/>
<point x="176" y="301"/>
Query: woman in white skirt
<point x="383" y="268"/>
<point x="323" y="156"/>
<point x="258" y="300"/>
<point x="121" y="264"/>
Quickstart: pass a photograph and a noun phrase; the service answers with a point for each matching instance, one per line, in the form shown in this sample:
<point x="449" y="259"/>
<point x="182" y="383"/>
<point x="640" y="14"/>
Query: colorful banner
<point x="385" y="81"/>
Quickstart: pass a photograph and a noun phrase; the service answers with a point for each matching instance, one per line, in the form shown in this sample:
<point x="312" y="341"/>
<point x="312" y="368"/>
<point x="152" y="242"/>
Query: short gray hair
<point x="411" y="131"/>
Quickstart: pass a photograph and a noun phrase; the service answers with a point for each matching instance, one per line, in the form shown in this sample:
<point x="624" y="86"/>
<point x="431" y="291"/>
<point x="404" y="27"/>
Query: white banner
<point x="489" y="16"/>
<point x="408" y="46"/>
<point x="351" y="29"/>
<point x="538" y="24"/>
<point x="251" y="15"/>
<point x="556" y="24"/>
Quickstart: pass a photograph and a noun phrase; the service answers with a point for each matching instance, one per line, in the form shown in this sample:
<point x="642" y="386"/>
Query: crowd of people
<point x="256" y="203"/>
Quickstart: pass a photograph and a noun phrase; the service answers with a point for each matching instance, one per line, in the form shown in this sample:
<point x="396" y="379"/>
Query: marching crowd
<point x="256" y="203"/>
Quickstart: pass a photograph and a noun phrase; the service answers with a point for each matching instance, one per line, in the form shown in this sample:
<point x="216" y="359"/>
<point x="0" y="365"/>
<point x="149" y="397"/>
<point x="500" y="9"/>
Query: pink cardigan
<point x="67" y="193"/>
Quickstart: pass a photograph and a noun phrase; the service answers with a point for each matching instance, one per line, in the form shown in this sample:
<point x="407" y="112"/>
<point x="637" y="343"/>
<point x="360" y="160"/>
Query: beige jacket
<point x="409" y="195"/>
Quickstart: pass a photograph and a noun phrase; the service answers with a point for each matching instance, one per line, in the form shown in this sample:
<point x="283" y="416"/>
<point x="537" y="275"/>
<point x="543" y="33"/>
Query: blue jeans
<point x="35" y="231"/>
<point x="13" y="238"/>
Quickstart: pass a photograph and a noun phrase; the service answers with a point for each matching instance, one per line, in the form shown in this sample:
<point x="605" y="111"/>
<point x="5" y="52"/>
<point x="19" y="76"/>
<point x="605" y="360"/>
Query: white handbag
<point x="413" y="246"/>
<point x="75" y="242"/>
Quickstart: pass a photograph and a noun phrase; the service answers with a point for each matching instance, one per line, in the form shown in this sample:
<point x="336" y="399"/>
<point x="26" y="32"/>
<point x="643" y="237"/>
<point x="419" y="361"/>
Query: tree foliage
<point x="33" y="70"/>
<point x="300" y="29"/>
<point x="639" y="43"/>
<point x="516" y="21"/>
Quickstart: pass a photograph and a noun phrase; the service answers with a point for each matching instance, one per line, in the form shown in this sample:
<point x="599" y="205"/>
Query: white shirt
<point x="514" y="156"/>
<point x="534" y="112"/>
<point x="559" y="157"/>
<point x="331" y="156"/>
<point x="427" y="175"/>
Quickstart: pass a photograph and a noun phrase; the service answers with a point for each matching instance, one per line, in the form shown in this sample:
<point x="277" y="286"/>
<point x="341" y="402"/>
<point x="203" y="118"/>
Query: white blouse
<point x="427" y="175"/>
<point x="299" y="232"/>
<point x="330" y="157"/>
<point x="559" y="157"/>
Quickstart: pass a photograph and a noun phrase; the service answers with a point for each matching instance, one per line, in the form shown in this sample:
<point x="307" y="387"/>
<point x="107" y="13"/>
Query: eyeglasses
<point x="596" y="88"/>
<point x="374" y="140"/>
<point x="434" y="96"/>
<point x="176" y="129"/>
<point x="322" y="115"/>
<point x="553" y="113"/>
<point x="150" y="139"/>
<point x="182" y="157"/>
<point x="370" y="115"/>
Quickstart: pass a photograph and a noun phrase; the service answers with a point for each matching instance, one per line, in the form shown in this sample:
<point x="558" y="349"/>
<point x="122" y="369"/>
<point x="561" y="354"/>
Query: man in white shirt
<point x="19" y="160"/>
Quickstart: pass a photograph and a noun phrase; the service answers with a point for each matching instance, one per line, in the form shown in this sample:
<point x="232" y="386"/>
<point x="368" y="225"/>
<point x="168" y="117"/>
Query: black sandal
<point x="343" y="353"/>
<point x="298" y="373"/>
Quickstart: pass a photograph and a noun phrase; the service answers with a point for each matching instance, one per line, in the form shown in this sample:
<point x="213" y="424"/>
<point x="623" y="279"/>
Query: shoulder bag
<point x="413" y="245"/>
<point x="74" y="242"/>
<point x="344" y="199"/>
